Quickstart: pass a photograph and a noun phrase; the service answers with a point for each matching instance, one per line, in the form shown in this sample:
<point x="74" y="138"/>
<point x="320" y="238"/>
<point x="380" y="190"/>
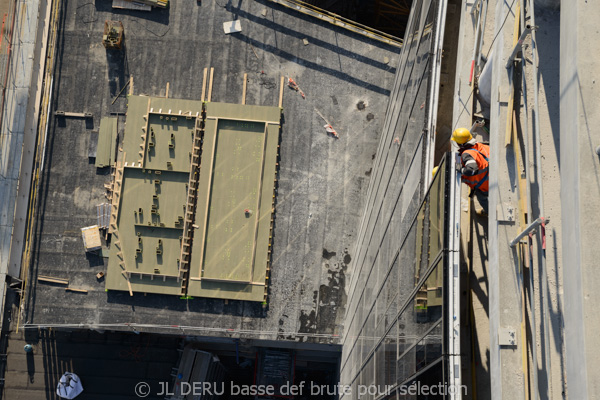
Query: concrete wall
<point x="580" y="193"/>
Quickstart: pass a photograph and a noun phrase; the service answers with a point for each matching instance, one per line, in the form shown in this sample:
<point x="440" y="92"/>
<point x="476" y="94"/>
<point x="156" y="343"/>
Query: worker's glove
<point x="458" y="168"/>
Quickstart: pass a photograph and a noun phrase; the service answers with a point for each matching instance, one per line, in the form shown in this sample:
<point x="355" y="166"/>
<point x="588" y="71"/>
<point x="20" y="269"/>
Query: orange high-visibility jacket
<point x="480" y="153"/>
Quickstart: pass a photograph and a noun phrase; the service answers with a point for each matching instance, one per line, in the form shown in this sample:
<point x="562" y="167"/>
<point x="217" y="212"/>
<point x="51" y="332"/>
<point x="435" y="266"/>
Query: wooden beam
<point x="52" y="279"/>
<point x="167" y="92"/>
<point x="126" y="275"/>
<point x="73" y="114"/>
<point x="244" y="89"/>
<point x="204" y="84"/>
<point x="281" y="92"/>
<point x="210" y="84"/>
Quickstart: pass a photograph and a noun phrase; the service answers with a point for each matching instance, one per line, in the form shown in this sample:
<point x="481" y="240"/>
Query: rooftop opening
<point x="389" y="16"/>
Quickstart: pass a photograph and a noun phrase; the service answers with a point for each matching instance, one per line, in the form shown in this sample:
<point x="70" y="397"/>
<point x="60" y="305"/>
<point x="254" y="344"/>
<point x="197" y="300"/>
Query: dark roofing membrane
<point x="322" y="180"/>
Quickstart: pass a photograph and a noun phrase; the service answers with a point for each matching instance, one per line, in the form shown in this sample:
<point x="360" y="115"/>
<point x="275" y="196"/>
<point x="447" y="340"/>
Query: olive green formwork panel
<point x="233" y="211"/>
<point x="107" y="137"/>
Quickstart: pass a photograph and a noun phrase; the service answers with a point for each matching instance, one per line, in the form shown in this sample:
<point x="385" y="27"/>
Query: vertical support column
<point x="580" y="191"/>
<point x="507" y="377"/>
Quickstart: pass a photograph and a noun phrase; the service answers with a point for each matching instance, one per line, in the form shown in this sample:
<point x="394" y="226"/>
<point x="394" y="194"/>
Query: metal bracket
<point x="531" y="227"/>
<point x="507" y="336"/>
<point x="474" y="6"/>
<point x="505" y="213"/>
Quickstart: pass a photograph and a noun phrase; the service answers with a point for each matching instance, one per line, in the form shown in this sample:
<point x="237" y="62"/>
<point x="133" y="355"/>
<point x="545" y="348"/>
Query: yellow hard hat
<point x="461" y="135"/>
<point x="435" y="169"/>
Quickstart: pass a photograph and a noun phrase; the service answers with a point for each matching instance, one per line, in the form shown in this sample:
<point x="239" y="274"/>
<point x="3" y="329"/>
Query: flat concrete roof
<point x="321" y="180"/>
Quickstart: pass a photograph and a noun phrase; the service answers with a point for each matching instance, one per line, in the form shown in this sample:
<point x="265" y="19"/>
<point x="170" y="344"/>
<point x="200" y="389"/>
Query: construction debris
<point x="103" y="213"/>
<point x="330" y="130"/>
<point x="152" y="3"/>
<point x="91" y="238"/>
<point x="130" y="5"/>
<point x="294" y="85"/>
<point x="328" y="127"/>
<point x="232" y="26"/>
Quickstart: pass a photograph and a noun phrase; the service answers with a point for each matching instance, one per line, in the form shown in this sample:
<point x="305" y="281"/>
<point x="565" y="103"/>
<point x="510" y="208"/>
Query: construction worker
<point x="475" y="162"/>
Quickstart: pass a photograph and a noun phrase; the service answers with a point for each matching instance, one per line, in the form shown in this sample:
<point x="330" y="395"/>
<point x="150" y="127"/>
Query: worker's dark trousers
<point x="482" y="197"/>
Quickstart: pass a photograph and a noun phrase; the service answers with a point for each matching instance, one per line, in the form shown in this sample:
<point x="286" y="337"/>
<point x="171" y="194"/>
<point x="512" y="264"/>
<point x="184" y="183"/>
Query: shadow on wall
<point x="549" y="68"/>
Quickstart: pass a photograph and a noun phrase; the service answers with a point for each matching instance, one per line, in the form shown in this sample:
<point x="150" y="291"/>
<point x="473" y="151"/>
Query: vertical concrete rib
<point x="570" y="128"/>
<point x="505" y="277"/>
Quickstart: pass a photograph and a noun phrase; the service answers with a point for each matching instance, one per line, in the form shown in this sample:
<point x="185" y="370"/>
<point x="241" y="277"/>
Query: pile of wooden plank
<point x="141" y="5"/>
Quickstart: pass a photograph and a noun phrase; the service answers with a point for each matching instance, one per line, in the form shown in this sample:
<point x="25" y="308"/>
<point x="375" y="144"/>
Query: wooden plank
<point x="244" y="89"/>
<point x="126" y="275"/>
<point x="281" y="91"/>
<point x="70" y="289"/>
<point x="131" y="85"/>
<point x="52" y="279"/>
<point x="204" y="84"/>
<point x="130" y="5"/>
<point x="167" y="91"/>
<point x="210" y="84"/>
<point x="73" y="114"/>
